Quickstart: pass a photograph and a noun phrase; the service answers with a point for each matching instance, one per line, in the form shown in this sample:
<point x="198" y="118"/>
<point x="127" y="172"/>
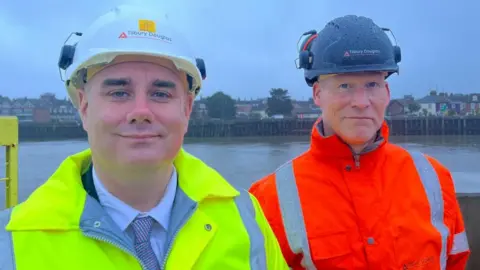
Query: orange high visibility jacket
<point x="385" y="208"/>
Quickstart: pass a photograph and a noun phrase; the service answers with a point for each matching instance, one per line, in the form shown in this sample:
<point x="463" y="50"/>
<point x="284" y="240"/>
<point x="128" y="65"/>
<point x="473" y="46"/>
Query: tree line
<point x="222" y="106"/>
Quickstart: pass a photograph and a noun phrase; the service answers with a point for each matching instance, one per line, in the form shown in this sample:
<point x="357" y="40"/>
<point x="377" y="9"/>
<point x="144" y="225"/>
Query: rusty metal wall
<point x="470" y="206"/>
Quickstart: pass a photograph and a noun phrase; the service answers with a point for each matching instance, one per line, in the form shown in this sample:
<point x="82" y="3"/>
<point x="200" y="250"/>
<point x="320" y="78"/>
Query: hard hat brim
<point x="312" y="74"/>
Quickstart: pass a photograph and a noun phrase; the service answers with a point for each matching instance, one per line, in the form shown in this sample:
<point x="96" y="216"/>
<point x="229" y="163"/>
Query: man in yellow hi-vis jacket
<point x="135" y="200"/>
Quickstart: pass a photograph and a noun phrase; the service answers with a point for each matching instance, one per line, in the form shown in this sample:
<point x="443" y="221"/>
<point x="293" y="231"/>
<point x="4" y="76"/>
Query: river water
<point x="243" y="161"/>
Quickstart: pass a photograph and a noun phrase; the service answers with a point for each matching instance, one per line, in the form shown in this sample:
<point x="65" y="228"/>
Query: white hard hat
<point x="128" y="30"/>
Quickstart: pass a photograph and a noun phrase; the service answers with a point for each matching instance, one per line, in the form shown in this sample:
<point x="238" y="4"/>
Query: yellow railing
<point x="9" y="139"/>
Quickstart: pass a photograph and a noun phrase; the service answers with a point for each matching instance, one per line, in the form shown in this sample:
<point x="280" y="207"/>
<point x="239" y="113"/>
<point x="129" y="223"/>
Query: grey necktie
<point x="142" y="228"/>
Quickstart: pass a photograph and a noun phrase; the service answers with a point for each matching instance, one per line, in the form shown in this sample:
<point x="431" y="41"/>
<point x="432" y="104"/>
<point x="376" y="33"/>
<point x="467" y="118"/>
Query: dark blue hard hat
<point x="348" y="44"/>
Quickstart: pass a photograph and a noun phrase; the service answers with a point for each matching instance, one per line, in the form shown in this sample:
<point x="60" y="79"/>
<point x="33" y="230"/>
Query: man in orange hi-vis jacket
<point x="353" y="200"/>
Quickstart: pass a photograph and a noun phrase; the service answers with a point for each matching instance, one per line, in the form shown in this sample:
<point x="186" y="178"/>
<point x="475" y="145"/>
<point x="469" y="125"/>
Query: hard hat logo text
<point x="360" y="52"/>
<point x="145" y="34"/>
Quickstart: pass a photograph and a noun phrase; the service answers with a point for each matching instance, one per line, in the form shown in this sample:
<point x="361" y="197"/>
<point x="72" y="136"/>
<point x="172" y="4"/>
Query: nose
<point x="360" y="98"/>
<point x="141" y="112"/>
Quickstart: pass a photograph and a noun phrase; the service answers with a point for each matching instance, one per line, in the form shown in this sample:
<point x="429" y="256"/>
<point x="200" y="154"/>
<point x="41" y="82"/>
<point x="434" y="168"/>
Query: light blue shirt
<point x="123" y="214"/>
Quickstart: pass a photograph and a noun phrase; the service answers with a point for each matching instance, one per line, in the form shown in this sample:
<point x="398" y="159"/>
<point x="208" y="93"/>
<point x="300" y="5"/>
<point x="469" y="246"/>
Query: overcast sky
<point x="250" y="46"/>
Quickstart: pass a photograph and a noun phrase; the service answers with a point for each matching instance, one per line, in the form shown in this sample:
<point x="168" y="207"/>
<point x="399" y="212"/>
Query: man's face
<point x="136" y="112"/>
<point x="353" y="106"/>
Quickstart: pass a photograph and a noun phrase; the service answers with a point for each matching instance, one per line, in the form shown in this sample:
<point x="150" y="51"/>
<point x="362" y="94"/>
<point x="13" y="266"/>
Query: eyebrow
<point x="164" y="84"/>
<point x="116" y="82"/>
<point x="126" y="81"/>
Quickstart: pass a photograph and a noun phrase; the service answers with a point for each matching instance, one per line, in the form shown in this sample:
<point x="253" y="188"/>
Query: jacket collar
<point x="59" y="203"/>
<point x="196" y="184"/>
<point x="334" y="146"/>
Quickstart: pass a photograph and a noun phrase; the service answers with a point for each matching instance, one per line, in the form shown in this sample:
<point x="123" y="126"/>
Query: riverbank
<point x="399" y="126"/>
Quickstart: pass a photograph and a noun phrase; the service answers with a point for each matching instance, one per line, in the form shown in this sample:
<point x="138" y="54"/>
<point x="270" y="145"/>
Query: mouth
<point x="359" y="118"/>
<point x="140" y="136"/>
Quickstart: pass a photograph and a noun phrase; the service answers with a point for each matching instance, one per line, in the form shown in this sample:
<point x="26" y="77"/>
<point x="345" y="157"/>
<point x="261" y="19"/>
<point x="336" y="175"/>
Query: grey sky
<point x="250" y="46"/>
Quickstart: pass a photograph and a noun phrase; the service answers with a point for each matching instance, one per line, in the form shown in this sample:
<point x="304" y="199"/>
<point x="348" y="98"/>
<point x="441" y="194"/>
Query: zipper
<point x="116" y="244"/>
<point x="177" y="230"/>
<point x="99" y="236"/>
<point x="367" y="149"/>
<point x="356" y="158"/>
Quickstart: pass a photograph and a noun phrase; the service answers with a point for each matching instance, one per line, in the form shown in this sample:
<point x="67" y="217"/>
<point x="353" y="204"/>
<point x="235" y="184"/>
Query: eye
<point x="344" y="86"/>
<point x="161" y="95"/>
<point x="119" y="94"/>
<point x="372" y="85"/>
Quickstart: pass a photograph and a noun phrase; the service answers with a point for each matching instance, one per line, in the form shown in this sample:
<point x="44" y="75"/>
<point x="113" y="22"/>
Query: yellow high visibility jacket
<point x="62" y="226"/>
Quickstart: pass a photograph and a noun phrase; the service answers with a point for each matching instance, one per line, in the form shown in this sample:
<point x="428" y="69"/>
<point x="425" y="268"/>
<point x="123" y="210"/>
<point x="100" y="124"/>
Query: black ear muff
<point x="397" y="54"/>
<point x="203" y="72"/>
<point x="305" y="56"/>
<point x="68" y="52"/>
<point x="305" y="59"/>
<point x="66" y="56"/>
<point x="201" y="67"/>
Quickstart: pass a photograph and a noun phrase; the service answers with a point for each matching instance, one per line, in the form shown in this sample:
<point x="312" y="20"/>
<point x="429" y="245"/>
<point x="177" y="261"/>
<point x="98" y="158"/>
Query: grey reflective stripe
<point x="258" y="258"/>
<point x="460" y="243"/>
<point x="7" y="258"/>
<point x="433" y="190"/>
<point x="292" y="213"/>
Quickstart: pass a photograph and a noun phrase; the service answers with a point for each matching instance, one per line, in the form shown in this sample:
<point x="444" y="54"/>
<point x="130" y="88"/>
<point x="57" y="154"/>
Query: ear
<point x="316" y="89"/>
<point x="82" y="107"/>
<point x="388" y="90"/>
<point x="190" y="97"/>
<point x="188" y="107"/>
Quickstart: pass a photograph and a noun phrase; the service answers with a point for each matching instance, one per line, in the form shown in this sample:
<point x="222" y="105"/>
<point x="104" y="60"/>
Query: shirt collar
<point x="123" y="214"/>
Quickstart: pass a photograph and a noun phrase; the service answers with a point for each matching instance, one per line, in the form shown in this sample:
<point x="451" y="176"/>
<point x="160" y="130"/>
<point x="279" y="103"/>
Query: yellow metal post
<point x="9" y="139"/>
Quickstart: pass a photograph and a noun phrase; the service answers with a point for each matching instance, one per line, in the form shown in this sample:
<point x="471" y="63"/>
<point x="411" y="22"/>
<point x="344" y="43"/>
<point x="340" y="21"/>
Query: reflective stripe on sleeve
<point x="433" y="191"/>
<point x="292" y="214"/>
<point x="460" y="243"/>
<point x="258" y="257"/>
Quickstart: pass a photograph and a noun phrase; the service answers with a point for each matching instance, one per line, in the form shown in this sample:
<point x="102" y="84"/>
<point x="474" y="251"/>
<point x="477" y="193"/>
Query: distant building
<point x="41" y="113"/>
<point x="307" y="113"/>
<point x="434" y="105"/>
<point x="305" y="109"/>
<point x="199" y="110"/>
<point x="63" y="111"/>
<point x="259" y="110"/>
<point x="243" y="110"/>
<point x="5" y="106"/>
<point x="401" y="106"/>
<point x="472" y="106"/>
<point x="23" y="109"/>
